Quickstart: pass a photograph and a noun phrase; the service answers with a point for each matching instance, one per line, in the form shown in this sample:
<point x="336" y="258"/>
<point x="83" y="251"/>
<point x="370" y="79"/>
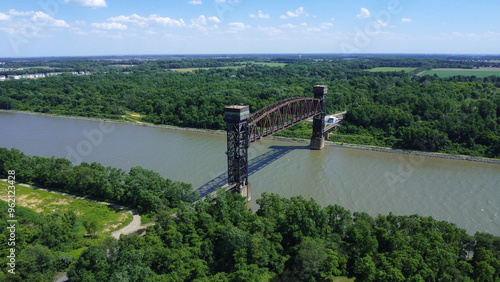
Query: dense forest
<point x="399" y="109"/>
<point x="285" y="240"/>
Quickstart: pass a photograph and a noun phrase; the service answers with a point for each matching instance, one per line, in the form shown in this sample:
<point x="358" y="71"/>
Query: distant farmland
<point x="481" y="72"/>
<point x="390" y="69"/>
<point x="238" y="66"/>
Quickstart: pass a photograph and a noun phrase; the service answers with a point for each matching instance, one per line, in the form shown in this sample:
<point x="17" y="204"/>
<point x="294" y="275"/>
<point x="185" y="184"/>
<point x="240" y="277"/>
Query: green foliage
<point x="286" y="239"/>
<point x="391" y="106"/>
<point x="142" y="189"/>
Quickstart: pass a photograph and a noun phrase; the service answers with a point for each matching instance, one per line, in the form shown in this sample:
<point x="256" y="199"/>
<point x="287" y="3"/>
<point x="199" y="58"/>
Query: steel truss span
<point x="281" y="115"/>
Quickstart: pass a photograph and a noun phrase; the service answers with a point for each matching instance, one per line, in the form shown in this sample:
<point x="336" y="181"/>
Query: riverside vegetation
<point x="285" y="240"/>
<point x="390" y="106"/>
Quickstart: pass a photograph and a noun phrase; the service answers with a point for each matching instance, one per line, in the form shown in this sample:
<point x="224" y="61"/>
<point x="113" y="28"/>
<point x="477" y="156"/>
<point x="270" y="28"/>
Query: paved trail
<point x="132" y="227"/>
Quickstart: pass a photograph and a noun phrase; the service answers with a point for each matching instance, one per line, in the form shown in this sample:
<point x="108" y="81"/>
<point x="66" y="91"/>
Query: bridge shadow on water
<point x="254" y="165"/>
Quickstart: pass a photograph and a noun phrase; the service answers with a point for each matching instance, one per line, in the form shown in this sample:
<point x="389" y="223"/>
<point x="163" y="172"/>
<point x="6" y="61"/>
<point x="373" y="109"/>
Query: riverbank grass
<point x="107" y="218"/>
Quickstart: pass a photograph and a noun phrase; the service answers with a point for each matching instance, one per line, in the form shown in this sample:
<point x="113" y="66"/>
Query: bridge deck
<point x="329" y="128"/>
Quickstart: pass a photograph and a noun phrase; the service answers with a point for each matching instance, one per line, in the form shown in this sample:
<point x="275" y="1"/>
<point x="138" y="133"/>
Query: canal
<point x="462" y="192"/>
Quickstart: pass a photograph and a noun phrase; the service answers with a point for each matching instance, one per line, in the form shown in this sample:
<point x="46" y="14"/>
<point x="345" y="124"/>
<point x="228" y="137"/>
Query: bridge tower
<point x="238" y="142"/>
<point x="318" y="137"/>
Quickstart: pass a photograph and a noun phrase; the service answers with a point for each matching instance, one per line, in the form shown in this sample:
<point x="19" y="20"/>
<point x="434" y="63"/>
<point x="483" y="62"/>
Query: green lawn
<point x="390" y="69"/>
<point x="193" y="69"/>
<point x="108" y="218"/>
<point x="481" y="72"/>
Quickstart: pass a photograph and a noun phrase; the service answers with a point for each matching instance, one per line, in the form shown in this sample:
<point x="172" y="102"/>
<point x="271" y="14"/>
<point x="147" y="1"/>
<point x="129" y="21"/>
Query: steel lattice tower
<point x="238" y="142"/>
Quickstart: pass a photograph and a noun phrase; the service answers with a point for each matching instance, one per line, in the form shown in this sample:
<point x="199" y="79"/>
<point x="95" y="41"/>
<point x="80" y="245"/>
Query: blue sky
<point x="122" y="27"/>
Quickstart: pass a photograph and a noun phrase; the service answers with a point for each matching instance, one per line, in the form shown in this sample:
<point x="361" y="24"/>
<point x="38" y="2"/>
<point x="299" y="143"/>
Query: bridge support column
<point x="318" y="138"/>
<point x="238" y="142"/>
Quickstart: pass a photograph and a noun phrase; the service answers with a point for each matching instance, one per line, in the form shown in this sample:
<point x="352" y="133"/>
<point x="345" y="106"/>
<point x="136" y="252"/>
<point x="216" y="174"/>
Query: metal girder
<point x="281" y="115"/>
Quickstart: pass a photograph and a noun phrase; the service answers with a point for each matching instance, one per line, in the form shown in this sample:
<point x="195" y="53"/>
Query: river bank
<point x="284" y="139"/>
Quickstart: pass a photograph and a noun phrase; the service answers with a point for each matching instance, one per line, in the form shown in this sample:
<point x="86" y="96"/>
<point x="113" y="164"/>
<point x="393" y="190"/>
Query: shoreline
<point x="284" y="139"/>
<point x="219" y="132"/>
<point x="394" y="151"/>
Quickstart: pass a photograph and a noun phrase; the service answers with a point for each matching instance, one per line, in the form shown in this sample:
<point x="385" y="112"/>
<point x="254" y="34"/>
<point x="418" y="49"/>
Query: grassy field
<point x="108" y="218"/>
<point x="269" y="64"/>
<point x="481" y="72"/>
<point x="389" y="69"/>
<point x="240" y="65"/>
<point x="194" y="69"/>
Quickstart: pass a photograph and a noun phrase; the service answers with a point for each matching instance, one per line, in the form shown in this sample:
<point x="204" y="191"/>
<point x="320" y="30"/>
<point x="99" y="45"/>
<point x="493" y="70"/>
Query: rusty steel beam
<point x="281" y="115"/>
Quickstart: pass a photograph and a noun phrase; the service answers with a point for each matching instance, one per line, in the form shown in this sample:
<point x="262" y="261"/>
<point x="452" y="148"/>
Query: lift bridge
<point x="244" y="129"/>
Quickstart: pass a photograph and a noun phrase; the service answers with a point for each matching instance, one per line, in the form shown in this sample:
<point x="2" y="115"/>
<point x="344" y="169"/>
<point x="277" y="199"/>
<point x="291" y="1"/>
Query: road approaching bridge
<point x="244" y="129"/>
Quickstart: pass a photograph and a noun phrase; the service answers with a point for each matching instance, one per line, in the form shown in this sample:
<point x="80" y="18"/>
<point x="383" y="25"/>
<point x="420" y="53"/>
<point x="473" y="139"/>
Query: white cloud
<point x="260" y="15"/>
<point x="195" y="2"/>
<point x="326" y="25"/>
<point x="156" y="19"/>
<point x="488" y="36"/>
<point x="300" y="11"/>
<point x="88" y="3"/>
<point x="167" y="21"/>
<point x="134" y="18"/>
<point x="238" y="26"/>
<point x="269" y="30"/>
<point x="214" y="19"/>
<point x="201" y="20"/>
<point x="405" y="20"/>
<point x="20" y="14"/>
<point x="364" y="14"/>
<point x="4" y="17"/>
<point x="109" y="26"/>
<point x="314" y="29"/>
<point x="289" y="26"/>
<point x="9" y="30"/>
<point x="201" y="23"/>
<point x="42" y="19"/>
<point x="380" y="23"/>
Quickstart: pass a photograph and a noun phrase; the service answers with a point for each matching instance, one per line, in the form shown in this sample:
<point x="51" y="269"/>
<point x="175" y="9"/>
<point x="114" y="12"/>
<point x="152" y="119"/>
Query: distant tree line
<point x="458" y="115"/>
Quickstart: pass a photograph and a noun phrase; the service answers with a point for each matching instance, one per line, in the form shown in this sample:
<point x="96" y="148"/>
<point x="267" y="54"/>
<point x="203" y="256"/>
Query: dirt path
<point x="132" y="227"/>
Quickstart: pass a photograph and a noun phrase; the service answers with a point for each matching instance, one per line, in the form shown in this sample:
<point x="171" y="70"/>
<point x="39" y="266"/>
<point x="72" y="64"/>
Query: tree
<point x="310" y="260"/>
<point x="364" y="269"/>
<point x="91" y="266"/>
<point x="35" y="259"/>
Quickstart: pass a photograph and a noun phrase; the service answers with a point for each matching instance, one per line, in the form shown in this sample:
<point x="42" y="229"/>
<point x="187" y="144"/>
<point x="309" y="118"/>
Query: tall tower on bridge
<point x="238" y="141"/>
<point x="318" y="137"/>
<point x="274" y="119"/>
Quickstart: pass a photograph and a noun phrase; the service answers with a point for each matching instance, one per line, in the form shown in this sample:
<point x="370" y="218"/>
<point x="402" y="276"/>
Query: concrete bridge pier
<point x="317" y="143"/>
<point x="318" y="137"/>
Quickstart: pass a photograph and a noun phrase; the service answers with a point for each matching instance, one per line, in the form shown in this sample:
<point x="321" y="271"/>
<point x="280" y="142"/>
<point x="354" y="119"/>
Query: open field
<point x="389" y="69"/>
<point x="480" y="72"/>
<point x="269" y="64"/>
<point x="108" y="218"/>
<point x="194" y="69"/>
<point x="240" y="65"/>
